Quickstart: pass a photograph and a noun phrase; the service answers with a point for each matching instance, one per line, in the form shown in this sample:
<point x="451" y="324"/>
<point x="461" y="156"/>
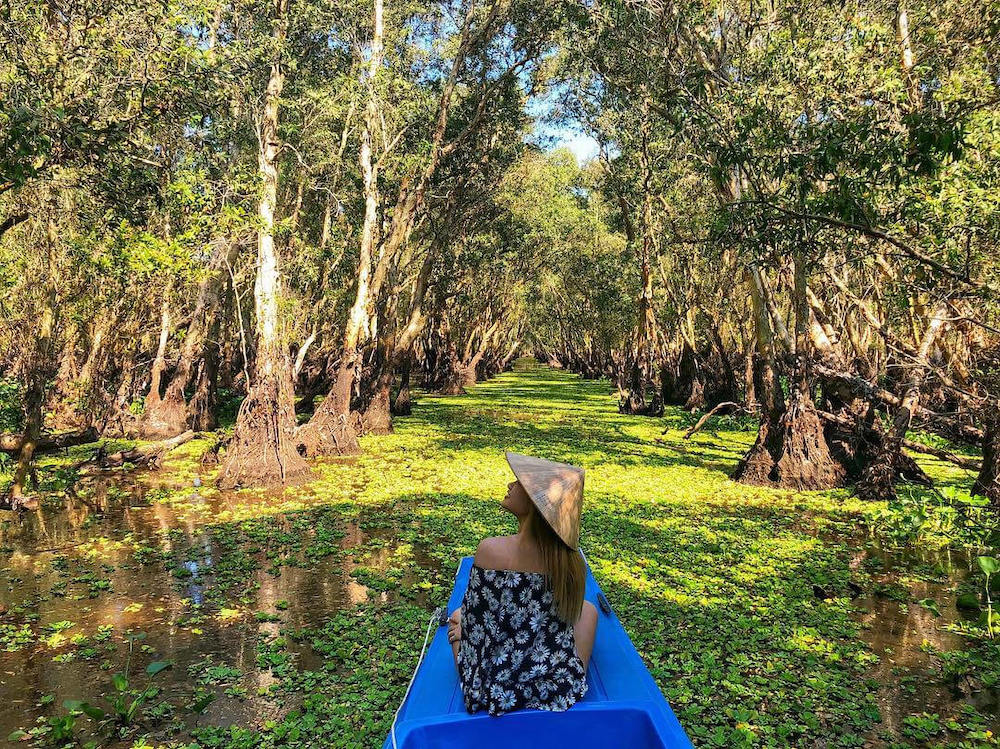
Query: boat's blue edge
<point x="435" y="697"/>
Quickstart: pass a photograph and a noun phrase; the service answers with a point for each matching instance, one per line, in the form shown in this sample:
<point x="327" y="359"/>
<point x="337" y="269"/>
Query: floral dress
<point x="515" y="652"/>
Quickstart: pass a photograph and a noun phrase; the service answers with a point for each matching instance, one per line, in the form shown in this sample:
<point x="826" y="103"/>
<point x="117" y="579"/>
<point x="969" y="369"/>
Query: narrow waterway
<point x="297" y="610"/>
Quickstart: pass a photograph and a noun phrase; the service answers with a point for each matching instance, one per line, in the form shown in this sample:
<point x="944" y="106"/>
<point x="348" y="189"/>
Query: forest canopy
<point x="285" y="213"/>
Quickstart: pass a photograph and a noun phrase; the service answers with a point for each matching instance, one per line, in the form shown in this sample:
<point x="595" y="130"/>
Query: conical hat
<point x="557" y="491"/>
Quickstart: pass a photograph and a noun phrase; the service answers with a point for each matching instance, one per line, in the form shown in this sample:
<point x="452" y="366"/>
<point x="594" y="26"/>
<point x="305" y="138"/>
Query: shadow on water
<point x="76" y="579"/>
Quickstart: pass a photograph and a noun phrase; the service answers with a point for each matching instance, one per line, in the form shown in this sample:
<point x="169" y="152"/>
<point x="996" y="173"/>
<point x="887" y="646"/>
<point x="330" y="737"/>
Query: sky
<point x="553" y="132"/>
<point x="583" y="146"/>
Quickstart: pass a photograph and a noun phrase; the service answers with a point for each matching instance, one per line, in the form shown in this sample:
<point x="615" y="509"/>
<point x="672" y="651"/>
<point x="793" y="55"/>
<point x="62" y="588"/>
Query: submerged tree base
<point x="164" y="417"/>
<point x="792" y="454"/>
<point x="262" y="451"/>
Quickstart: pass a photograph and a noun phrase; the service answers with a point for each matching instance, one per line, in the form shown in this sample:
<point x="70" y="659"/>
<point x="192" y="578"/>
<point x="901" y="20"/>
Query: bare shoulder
<point x="492" y="552"/>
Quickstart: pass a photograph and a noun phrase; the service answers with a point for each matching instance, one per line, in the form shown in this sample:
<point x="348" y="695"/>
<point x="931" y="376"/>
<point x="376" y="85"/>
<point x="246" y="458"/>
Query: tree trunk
<point x="757" y="465"/>
<point x="906" y="55"/>
<point x="791" y="449"/>
<point x="635" y="400"/>
<point x="204" y="403"/>
<point x="396" y="352"/>
<point x="159" y="415"/>
<point x="148" y="456"/>
<point x="300" y="355"/>
<point x="377" y="416"/>
<point x="34" y="397"/>
<point x="172" y="414"/>
<point x="90" y="365"/>
<point x="450" y="368"/>
<point x="879" y="478"/>
<point x="726" y="389"/>
<point x="262" y="450"/>
<point x="508" y="359"/>
<point x="330" y="430"/>
<point x="988" y="482"/>
<point x="63" y="402"/>
<point x="36" y="376"/>
<point x="11" y="443"/>
<point x="750" y="392"/>
<point x="402" y="405"/>
<point x="805" y="461"/>
<point x="689" y="386"/>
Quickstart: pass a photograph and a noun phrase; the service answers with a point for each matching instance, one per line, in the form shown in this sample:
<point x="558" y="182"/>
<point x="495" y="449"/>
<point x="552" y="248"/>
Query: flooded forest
<point x="281" y="280"/>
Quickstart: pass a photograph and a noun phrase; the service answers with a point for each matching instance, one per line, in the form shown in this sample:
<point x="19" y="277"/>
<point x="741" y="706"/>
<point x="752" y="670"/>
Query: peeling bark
<point x="263" y="449"/>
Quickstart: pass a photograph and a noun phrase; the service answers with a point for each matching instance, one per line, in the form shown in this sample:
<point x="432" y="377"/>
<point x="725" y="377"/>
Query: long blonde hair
<point x="567" y="576"/>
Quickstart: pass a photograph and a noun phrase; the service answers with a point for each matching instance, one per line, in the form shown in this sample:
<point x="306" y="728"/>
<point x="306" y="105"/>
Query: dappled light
<point x="278" y="607"/>
<point x="303" y="302"/>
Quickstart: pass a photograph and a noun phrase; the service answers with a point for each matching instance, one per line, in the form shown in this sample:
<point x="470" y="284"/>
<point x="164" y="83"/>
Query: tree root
<point x="149" y="456"/>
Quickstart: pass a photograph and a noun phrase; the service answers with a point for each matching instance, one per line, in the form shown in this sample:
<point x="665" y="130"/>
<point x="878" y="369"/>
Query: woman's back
<point x="515" y="651"/>
<point x="523" y="635"/>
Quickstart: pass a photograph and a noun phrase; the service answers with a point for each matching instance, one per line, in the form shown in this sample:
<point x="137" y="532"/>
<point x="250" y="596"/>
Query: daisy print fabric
<point x="515" y="652"/>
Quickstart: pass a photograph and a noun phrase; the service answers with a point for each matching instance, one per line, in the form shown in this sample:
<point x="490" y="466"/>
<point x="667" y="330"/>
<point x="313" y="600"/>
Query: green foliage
<point x="714" y="580"/>
<point x="126" y="702"/>
<point x="11" y="415"/>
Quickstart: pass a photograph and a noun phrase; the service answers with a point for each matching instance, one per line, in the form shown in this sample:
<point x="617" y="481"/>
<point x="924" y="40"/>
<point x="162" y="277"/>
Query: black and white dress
<point x="515" y="652"/>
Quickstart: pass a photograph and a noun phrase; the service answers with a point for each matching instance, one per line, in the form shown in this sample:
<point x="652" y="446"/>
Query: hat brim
<point x="556" y="489"/>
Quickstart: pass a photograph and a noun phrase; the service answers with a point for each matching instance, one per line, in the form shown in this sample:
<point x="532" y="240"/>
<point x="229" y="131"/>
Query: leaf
<point x="202" y="702"/>
<point x="120" y="682"/>
<point x="968" y="601"/>
<point x="156" y="666"/>
<point x="17" y="735"/>
<point x="228" y="615"/>
<point x="989" y="565"/>
<point x="931" y="605"/>
<point x="84" y="707"/>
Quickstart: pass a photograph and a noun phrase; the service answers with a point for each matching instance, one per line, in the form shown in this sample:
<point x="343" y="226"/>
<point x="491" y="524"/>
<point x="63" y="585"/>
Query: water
<point x="905" y="634"/>
<point x="76" y="563"/>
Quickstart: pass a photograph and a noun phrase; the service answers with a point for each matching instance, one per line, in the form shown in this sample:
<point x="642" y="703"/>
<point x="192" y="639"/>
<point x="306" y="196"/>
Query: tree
<point x="263" y="448"/>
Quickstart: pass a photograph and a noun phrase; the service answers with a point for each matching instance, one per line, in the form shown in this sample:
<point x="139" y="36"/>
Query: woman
<point x="523" y="635"/>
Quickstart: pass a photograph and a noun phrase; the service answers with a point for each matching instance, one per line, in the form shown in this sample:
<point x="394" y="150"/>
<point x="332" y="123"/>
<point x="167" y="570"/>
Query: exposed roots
<point x="792" y="453"/>
<point x="332" y="430"/>
<point x="377" y="417"/>
<point x="263" y="449"/>
<point x="333" y="434"/>
<point x="164" y="417"/>
<point x="756" y="466"/>
<point x="805" y="461"/>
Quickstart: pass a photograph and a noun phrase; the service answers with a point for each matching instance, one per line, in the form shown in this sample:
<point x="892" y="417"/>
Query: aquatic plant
<point x="990" y="566"/>
<point x="126" y="702"/>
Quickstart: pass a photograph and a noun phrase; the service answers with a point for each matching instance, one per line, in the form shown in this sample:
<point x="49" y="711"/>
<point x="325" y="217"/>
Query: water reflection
<point x="905" y="634"/>
<point x="83" y="563"/>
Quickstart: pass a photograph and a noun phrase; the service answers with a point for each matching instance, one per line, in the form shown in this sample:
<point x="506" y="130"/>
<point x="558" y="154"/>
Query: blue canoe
<point x="623" y="706"/>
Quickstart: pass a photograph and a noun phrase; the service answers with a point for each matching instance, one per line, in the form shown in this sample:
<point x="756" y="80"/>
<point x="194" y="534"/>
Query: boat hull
<point x="623" y="705"/>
